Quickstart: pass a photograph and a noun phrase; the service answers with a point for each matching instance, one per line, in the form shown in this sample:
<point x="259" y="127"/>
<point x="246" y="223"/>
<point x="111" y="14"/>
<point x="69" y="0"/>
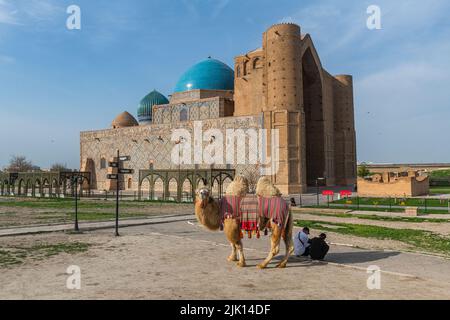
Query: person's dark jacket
<point x="318" y="249"/>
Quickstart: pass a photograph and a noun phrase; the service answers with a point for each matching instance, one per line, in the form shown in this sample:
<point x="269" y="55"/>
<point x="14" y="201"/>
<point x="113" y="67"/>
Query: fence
<point x="440" y="182"/>
<point x="390" y="204"/>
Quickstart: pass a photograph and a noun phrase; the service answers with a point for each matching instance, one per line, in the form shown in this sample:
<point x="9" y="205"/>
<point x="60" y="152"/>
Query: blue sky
<point x="55" y="83"/>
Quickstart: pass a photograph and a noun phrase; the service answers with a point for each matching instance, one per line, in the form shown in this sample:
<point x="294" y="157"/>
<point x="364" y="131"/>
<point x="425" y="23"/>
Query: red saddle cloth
<point x="276" y="209"/>
<point x="229" y="207"/>
<point x="248" y="210"/>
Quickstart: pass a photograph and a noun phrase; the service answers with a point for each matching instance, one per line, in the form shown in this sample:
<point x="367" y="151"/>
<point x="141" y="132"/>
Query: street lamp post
<point x="117" y="197"/>
<point x="317" y="189"/>
<point x="180" y="141"/>
<point x="75" y="180"/>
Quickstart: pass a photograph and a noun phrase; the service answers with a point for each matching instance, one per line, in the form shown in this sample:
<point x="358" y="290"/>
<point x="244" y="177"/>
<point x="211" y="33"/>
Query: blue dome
<point x="154" y="98"/>
<point x="209" y="74"/>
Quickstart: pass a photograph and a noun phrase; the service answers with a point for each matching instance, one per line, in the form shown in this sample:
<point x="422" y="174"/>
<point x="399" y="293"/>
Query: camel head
<point x="265" y="188"/>
<point x="203" y="195"/>
<point x="207" y="210"/>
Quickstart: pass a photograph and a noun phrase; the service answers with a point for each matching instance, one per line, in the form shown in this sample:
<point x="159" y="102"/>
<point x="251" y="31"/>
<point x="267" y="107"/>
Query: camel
<point x="209" y="214"/>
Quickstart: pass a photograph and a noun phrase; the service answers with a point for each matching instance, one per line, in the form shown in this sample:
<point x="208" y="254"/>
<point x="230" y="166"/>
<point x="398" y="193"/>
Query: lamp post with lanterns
<point x="318" y="189"/>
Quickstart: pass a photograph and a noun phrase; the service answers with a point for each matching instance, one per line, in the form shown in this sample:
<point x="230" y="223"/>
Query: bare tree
<point x="20" y="164"/>
<point x="253" y="176"/>
<point x="58" y="167"/>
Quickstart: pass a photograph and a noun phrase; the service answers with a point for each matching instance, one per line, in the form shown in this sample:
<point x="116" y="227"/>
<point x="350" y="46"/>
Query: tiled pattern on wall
<point x="196" y="110"/>
<point x="153" y="143"/>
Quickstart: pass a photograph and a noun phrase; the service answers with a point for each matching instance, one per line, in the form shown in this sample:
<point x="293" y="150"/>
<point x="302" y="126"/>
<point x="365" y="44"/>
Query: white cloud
<point x="39" y="10"/>
<point x="7" y="13"/>
<point x="6" y="59"/>
<point x="197" y="7"/>
<point x="401" y="72"/>
<point x="25" y="11"/>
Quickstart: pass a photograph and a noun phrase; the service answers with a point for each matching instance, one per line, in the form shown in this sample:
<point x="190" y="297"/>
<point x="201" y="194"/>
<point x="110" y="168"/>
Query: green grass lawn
<point x="439" y="190"/>
<point x="381" y="218"/>
<point x="30" y="211"/>
<point x="57" y="203"/>
<point x="421" y="240"/>
<point x="440" y="174"/>
<point x="393" y="201"/>
<point x="429" y="210"/>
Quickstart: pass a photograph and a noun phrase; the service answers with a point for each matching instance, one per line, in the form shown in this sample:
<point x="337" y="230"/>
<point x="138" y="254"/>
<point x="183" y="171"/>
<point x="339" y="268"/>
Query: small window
<point x="184" y="115"/>
<point x="246" y="68"/>
<point x="256" y="63"/>
<point x="102" y="163"/>
<point x="238" y="71"/>
<point x="130" y="183"/>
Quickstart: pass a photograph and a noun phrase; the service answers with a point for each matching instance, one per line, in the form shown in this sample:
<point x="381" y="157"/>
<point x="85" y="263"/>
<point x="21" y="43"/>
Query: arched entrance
<point x="46" y="188"/>
<point x="37" y="188"/>
<point x="226" y="182"/>
<point x="173" y="189"/>
<point x="187" y="191"/>
<point x="22" y="191"/>
<point x="159" y="192"/>
<point x="181" y="185"/>
<point x="146" y="190"/>
<point x="29" y="188"/>
<point x="55" y="188"/>
<point x="314" y="118"/>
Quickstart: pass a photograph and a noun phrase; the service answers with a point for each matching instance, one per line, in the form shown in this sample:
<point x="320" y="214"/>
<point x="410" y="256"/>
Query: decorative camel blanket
<point x="251" y="208"/>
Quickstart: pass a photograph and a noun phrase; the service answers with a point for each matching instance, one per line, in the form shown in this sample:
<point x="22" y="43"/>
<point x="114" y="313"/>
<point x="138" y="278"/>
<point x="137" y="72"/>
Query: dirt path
<point x="182" y="261"/>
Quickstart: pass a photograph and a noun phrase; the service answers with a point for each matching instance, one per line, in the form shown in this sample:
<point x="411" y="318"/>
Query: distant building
<point x="279" y="86"/>
<point x="394" y="184"/>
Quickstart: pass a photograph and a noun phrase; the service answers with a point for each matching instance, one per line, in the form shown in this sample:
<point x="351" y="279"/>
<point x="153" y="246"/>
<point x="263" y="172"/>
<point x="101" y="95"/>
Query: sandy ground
<point x="442" y="228"/>
<point x="183" y="261"/>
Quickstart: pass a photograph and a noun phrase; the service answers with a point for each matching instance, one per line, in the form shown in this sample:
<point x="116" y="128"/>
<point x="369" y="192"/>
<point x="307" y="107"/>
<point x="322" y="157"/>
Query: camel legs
<point x="289" y="250"/>
<point x="275" y="249"/>
<point x="288" y="241"/>
<point x="240" y="249"/>
<point x="233" y="255"/>
<point x="232" y="231"/>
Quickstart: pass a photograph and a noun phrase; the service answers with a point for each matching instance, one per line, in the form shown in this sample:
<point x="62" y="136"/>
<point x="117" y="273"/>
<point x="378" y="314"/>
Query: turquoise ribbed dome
<point x="154" y="98"/>
<point x="209" y="74"/>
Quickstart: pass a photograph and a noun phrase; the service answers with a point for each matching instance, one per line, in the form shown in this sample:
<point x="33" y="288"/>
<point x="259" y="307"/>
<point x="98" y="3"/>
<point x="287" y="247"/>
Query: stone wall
<point x="312" y="109"/>
<point x="152" y="144"/>
<point x="405" y="186"/>
<point x="195" y="110"/>
<point x="198" y="94"/>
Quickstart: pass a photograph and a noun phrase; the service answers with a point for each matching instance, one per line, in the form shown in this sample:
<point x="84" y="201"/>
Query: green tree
<point x="363" y="171"/>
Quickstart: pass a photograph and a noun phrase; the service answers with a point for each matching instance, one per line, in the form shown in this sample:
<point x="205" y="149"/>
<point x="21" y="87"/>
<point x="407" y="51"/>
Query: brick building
<point x="281" y="85"/>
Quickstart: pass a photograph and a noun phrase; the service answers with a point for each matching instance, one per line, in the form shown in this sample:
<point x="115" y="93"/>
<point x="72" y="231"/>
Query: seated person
<point x="319" y="248"/>
<point x="301" y="243"/>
